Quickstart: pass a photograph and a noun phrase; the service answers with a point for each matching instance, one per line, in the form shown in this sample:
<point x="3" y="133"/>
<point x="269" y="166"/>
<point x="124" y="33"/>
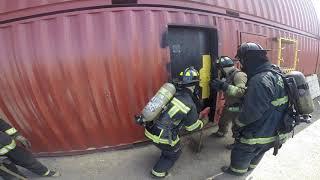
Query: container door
<point x="190" y="46"/>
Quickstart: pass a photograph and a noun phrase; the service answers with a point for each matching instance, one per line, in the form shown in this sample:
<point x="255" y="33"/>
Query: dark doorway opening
<point x="191" y="46"/>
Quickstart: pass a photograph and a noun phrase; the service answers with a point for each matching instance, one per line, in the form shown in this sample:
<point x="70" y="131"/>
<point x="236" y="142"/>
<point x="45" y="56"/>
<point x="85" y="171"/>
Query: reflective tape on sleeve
<point x="8" y="148"/>
<point x="194" y="125"/>
<point x="280" y="101"/>
<point x="11" y="131"/>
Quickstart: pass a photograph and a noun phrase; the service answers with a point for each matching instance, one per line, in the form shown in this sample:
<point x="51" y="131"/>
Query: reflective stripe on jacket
<point x="263" y="107"/>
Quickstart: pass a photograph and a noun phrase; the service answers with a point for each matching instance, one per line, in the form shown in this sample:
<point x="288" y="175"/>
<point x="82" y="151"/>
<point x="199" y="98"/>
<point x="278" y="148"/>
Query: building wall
<point x="73" y="81"/>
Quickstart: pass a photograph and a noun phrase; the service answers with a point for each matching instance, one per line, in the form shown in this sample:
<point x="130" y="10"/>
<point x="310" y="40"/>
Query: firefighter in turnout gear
<point x="233" y="83"/>
<point x="16" y="154"/>
<point x="181" y="111"/>
<point x="263" y="108"/>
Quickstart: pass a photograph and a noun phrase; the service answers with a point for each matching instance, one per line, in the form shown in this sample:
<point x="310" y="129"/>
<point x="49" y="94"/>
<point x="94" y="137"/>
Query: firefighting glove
<point x="24" y="141"/>
<point x="219" y="85"/>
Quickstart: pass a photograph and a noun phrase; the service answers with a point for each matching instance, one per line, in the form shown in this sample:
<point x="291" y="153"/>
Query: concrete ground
<point x="299" y="158"/>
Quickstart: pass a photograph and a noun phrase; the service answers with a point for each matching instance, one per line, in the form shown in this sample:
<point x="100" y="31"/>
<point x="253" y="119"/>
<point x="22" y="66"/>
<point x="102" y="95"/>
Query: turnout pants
<point x="169" y="155"/>
<point x="245" y="157"/>
<point x="226" y="118"/>
<point x="22" y="157"/>
<point x="17" y="155"/>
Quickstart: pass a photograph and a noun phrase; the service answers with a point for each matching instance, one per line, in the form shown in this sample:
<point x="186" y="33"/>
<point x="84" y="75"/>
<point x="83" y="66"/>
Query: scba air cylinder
<point x="157" y="102"/>
<point x="304" y="102"/>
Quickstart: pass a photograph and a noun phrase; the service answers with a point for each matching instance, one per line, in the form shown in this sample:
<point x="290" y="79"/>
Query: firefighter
<point x="264" y="106"/>
<point x="233" y="83"/>
<point x="16" y="154"/>
<point x="181" y="112"/>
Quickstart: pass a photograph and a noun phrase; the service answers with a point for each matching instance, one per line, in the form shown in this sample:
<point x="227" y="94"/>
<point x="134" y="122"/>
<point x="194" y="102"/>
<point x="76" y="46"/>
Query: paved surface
<point x="299" y="159"/>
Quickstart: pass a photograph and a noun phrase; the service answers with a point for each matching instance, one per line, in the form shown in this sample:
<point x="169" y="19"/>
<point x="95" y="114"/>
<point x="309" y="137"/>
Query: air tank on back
<point x="156" y="104"/>
<point x="304" y="103"/>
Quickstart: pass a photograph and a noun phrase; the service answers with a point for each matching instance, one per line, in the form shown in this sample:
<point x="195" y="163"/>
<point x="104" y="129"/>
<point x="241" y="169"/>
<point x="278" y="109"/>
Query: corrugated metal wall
<point x="299" y="14"/>
<point x="74" y="81"/>
<point x="15" y="5"/>
<point x="294" y="13"/>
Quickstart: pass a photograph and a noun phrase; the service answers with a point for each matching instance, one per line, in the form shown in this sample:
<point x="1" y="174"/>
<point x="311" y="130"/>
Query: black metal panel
<point x="187" y="45"/>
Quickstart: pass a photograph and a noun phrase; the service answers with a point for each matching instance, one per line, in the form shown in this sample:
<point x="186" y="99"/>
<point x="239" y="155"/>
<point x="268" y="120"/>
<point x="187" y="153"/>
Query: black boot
<point x="218" y="134"/>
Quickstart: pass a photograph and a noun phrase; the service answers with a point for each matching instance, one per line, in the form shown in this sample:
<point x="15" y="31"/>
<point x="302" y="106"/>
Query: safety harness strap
<point x="185" y="109"/>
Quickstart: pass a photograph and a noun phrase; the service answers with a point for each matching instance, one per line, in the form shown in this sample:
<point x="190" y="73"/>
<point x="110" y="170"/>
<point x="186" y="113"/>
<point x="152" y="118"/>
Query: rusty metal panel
<point x="68" y="85"/>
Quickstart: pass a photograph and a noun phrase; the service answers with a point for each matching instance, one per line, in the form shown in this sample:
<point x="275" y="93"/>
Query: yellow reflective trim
<point x="194" y="73"/>
<point x="3" y="151"/>
<point x="201" y="124"/>
<point x="280" y="82"/>
<point x="158" y="140"/>
<point x="185" y="109"/>
<point x="11" y="131"/>
<point x="162" y="174"/>
<point x="242" y="171"/>
<point x="195" y="125"/>
<point x="161" y="133"/>
<point x="176" y="122"/>
<point x="234" y="109"/>
<point x="173" y="111"/>
<point x="47" y="173"/>
<point x="252" y="166"/>
<point x="8" y="148"/>
<point x="11" y="146"/>
<point x="232" y="90"/>
<point x="280" y="101"/>
<point x="264" y="140"/>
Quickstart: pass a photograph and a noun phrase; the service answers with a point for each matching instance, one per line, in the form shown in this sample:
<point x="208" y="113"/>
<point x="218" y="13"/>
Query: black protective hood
<point x="255" y="63"/>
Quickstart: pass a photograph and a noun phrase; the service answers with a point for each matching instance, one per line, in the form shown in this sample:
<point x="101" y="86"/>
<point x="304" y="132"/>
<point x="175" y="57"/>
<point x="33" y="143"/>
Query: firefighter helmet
<point x="224" y="61"/>
<point x="190" y="76"/>
<point x="244" y="48"/>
